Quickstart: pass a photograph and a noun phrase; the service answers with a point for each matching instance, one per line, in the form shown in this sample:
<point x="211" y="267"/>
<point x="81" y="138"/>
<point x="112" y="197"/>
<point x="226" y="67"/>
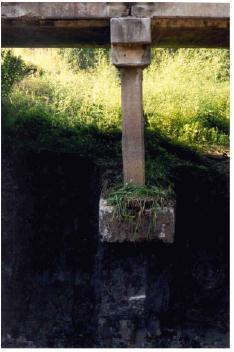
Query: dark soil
<point x="54" y="269"/>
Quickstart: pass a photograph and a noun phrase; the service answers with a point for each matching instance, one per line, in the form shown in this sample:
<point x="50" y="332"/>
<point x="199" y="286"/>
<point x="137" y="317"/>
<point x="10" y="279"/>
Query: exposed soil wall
<point x="50" y="229"/>
<point x="61" y="287"/>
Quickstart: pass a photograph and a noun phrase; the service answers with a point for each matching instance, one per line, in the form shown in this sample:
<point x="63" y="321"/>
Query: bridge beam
<point x="131" y="38"/>
<point x="74" y="24"/>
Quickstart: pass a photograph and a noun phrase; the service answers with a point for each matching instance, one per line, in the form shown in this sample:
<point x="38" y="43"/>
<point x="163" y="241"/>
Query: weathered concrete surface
<point x="180" y="9"/>
<point x="64" y="10"/>
<point x="76" y="24"/>
<point x="133" y="148"/>
<point x="130" y="55"/>
<point x="131" y="52"/>
<point x="79" y="10"/>
<point x="120" y="230"/>
<point x="190" y="32"/>
<point x="130" y="30"/>
<point x="54" y="33"/>
<point x="130" y="39"/>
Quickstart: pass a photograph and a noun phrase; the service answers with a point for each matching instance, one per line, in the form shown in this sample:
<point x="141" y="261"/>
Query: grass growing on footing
<point x="131" y="194"/>
<point x="132" y="203"/>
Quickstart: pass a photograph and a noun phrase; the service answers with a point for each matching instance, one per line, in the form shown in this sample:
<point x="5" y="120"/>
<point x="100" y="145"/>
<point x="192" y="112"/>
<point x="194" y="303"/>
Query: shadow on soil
<point x="50" y="251"/>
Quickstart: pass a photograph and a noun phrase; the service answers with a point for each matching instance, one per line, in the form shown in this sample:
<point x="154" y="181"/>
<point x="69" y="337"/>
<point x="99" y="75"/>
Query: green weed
<point x="71" y="102"/>
<point x="131" y="203"/>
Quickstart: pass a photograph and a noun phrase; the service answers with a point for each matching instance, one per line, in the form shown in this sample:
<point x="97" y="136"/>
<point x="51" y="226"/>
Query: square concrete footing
<point x="149" y="225"/>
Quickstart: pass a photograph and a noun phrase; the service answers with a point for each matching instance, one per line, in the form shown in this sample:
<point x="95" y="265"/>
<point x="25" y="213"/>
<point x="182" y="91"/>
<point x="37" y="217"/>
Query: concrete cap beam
<point x="130" y="41"/>
<point x="130" y="30"/>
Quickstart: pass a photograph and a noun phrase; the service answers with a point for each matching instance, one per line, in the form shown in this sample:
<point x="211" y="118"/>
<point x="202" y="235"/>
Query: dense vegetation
<point x="69" y="100"/>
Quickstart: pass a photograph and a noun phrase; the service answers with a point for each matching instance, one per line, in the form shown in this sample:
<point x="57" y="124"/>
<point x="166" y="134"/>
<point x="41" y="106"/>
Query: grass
<point x="63" y="107"/>
<point x="133" y="204"/>
<point x="186" y="100"/>
<point x="131" y="196"/>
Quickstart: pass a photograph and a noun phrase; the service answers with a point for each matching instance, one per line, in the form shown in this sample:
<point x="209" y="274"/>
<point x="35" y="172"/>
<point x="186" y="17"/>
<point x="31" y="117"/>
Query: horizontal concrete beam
<point x="90" y="10"/>
<point x="77" y="24"/>
<point x="176" y="9"/>
<point x="63" y="10"/>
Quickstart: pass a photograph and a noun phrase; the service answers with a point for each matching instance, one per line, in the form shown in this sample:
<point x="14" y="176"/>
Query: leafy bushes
<point x="84" y="58"/>
<point x="183" y="89"/>
<point x="13" y="70"/>
<point x="186" y="96"/>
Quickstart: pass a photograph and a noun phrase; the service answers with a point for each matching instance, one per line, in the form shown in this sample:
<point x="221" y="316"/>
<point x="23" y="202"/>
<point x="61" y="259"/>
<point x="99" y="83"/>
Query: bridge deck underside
<point x="79" y="24"/>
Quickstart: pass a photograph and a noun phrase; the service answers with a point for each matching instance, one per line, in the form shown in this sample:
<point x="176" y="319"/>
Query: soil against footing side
<point x="50" y="228"/>
<point x="62" y="288"/>
<point x="198" y="315"/>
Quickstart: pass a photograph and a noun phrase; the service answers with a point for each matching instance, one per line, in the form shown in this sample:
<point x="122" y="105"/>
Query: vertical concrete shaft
<point x="133" y="149"/>
<point x="130" y="47"/>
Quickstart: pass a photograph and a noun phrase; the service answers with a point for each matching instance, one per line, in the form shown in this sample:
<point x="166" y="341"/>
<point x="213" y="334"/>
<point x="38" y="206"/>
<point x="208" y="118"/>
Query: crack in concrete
<point x="129" y="7"/>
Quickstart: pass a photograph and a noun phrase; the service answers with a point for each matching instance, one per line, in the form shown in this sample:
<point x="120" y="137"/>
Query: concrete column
<point x="133" y="148"/>
<point x="130" y="44"/>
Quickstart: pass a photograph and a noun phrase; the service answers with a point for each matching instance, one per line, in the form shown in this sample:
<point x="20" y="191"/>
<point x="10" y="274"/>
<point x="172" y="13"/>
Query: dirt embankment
<point x="55" y="273"/>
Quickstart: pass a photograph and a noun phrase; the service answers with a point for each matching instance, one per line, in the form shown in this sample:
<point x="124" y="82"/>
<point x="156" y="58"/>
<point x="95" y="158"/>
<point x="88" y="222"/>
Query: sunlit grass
<point x="184" y="97"/>
<point x="64" y="107"/>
